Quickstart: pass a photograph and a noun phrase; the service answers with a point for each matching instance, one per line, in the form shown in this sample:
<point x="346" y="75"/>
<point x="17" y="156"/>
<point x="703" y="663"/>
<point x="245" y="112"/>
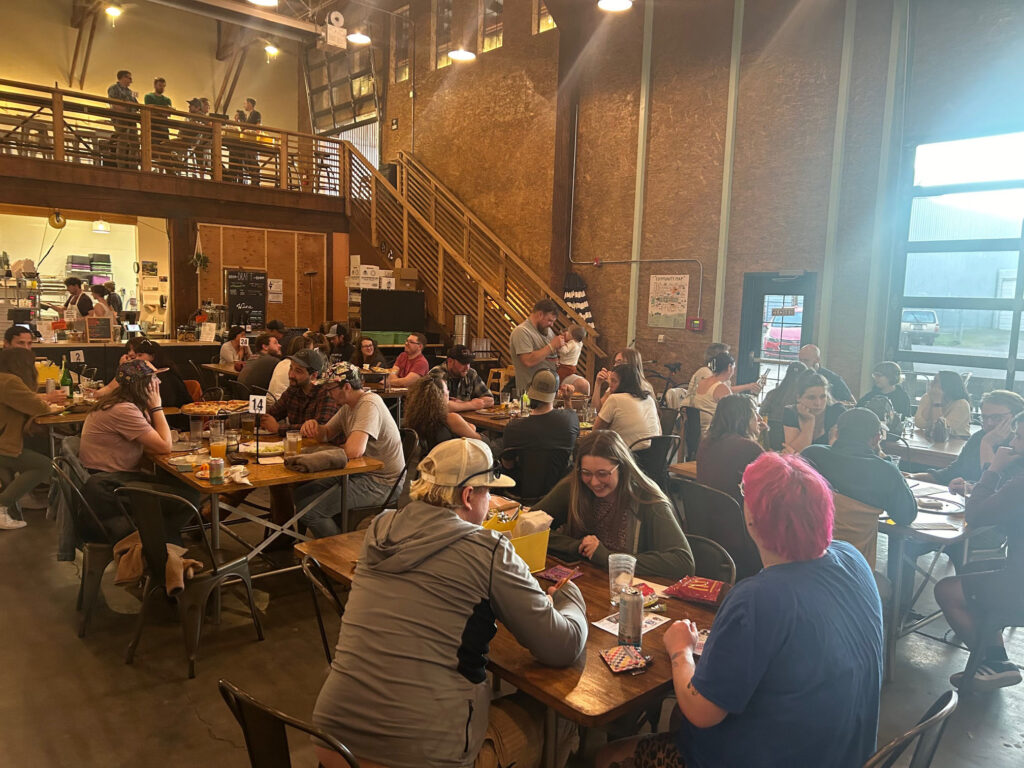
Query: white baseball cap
<point x="463" y="462"/>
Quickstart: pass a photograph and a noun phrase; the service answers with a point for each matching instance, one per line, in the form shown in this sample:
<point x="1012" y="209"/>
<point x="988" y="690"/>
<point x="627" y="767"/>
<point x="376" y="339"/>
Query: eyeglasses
<point x="995" y="416"/>
<point x="741" y="489"/>
<point x="601" y="474"/>
<point x="414" y="341"/>
<point x="494" y="470"/>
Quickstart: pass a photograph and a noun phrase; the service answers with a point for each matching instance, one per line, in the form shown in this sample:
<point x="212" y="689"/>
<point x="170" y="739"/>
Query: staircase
<point x="464" y="268"/>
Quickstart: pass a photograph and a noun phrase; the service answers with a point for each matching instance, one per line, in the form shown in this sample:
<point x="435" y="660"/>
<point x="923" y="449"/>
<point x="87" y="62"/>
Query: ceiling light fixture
<point x="461" y="54"/>
<point x="265" y="3"/>
<point x="357" y="37"/>
<point x="100" y="227"/>
<point x="271" y="50"/>
<point x="615" y="6"/>
<point x="113" y="11"/>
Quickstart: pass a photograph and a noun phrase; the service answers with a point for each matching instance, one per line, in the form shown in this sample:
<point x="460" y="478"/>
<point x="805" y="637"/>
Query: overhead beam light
<point x="100" y="227"/>
<point x="615" y="6"/>
<point x="358" y="38"/>
<point x="264" y="3"/>
<point x="113" y="11"/>
<point x="461" y="54"/>
<point x="271" y="50"/>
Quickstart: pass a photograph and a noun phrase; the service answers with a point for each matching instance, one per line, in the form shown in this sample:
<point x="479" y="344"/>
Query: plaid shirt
<point x="468" y="387"/>
<point x="297" y="407"/>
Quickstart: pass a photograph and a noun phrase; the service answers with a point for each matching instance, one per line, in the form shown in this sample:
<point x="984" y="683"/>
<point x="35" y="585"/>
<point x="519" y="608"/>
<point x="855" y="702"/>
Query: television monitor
<point x="392" y="310"/>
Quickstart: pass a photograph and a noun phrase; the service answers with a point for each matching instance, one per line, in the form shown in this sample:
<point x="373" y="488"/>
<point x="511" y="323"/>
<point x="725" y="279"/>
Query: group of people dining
<point x="430" y="582"/>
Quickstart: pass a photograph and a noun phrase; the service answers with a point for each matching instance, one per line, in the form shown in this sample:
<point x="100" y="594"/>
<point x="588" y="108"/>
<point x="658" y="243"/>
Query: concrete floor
<point x="66" y="701"/>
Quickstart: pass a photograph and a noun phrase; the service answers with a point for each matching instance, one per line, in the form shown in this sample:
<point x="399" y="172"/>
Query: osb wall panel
<point x="486" y="129"/>
<point x="965" y="71"/>
<point x="282" y="254"/>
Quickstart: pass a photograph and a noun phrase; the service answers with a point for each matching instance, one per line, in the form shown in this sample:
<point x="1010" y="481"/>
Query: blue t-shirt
<point x="795" y="657"/>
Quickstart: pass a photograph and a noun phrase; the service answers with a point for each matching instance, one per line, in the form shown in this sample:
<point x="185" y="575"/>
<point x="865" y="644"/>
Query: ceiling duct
<point x="248" y="16"/>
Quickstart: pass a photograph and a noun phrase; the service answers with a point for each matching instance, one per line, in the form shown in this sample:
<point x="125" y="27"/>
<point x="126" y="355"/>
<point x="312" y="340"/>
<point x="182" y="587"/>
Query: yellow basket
<point x="533" y="548"/>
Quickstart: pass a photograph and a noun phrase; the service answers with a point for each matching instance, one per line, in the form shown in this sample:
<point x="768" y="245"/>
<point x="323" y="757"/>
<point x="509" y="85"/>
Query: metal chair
<point x="671" y="419"/>
<point x="236" y="390"/>
<point x="538" y="470"/>
<point x="410" y="440"/>
<point x="655" y="458"/>
<point x="716" y="516"/>
<point x="213" y="393"/>
<point x="197" y="372"/>
<point x="92" y="538"/>
<point x="264" y="728"/>
<point x="144" y="507"/>
<point x="195" y="389"/>
<point x="691" y="432"/>
<point x="711" y="560"/>
<point x="320" y="582"/>
<point x="928" y="733"/>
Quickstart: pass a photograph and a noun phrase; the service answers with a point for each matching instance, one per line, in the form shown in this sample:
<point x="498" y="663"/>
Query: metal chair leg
<point x="320" y="624"/>
<point x="190" y="611"/>
<point x="129" y="655"/>
<point x="247" y="580"/>
<point x="93" y="567"/>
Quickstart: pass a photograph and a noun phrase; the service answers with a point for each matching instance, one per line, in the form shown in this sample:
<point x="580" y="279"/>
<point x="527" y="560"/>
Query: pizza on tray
<point x="213" y="407"/>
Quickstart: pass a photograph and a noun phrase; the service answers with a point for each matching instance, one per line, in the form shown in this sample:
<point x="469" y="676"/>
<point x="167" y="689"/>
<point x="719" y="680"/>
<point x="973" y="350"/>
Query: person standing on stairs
<point x="534" y="345"/>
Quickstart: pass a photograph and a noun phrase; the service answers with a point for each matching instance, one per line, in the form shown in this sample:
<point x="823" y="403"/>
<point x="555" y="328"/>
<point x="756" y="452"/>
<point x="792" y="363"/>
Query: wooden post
<point x="217" y="151"/>
<point x="373" y="214"/>
<point x="440" y="281"/>
<point x="346" y="178"/>
<point x="480" y="303"/>
<point x="282" y="161"/>
<point x="146" y="129"/>
<point x="58" y="126"/>
<point x="405" y="232"/>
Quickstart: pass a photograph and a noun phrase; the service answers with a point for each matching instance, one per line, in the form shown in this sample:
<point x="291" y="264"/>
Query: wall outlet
<point x="661" y="338"/>
<point x="394" y="124"/>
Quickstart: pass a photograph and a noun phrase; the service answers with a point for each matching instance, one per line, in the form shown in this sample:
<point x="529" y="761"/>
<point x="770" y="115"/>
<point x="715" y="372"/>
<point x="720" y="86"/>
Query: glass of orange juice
<point x="218" y="447"/>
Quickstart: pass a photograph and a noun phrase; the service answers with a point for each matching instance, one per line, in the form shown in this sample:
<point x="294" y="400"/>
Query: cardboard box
<point x="406" y="285"/>
<point x="407" y="273"/>
<point x="387" y="283"/>
<point x="353" y="271"/>
<point x="369" y="271"/>
<point x="353" y="260"/>
<point x="387" y="273"/>
<point x="369" y="282"/>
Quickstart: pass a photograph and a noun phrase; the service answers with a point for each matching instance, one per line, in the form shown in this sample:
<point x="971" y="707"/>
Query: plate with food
<point x="187" y="462"/>
<point x="378" y="369"/>
<point x="203" y="473"/>
<point x="267" y="447"/>
<point x="586" y="425"/>
<point x="213" y="407"/>
<point x="939" y="506"/>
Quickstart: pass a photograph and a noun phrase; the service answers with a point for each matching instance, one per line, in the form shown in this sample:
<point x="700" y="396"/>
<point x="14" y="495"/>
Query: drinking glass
<point x="620" y="574"/>
<point x="248" y="426"/>
<point x="218" y="447"/>
<point x="233" y="438"/>
<point x="292" y="443"/>
<point x="195" y="431"/>
<point x="505" y="397"/>
<point x="216" y="430"/>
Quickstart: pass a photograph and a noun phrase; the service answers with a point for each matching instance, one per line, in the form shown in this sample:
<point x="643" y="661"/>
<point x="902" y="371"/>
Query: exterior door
<point x="773" y="325"/>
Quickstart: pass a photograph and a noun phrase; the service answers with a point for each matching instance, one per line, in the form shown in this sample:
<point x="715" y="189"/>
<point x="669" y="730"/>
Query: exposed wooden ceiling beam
<point x="80" y="11"/>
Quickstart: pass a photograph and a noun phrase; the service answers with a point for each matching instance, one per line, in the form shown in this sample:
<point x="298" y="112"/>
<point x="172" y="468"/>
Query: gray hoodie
<point x="407" y="686"/>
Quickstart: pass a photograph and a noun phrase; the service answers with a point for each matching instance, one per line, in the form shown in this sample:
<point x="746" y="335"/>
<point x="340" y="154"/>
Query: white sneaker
<point x="8" y="523"/>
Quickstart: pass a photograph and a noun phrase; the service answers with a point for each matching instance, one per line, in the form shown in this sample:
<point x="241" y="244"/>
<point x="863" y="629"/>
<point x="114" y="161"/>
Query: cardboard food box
<point x="369" y="282"/>
<point x="369" y="271"/>
<point x="387" y="283"/>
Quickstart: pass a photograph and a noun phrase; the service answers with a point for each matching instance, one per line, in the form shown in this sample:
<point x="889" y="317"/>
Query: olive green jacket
<point x="18" y="404"/>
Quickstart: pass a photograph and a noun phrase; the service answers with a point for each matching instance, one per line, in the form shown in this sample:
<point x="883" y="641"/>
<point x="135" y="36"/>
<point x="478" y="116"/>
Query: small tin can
<point x="51" y="386"/>
<point x="217" y="471"/>
<point x="631" y="617"/>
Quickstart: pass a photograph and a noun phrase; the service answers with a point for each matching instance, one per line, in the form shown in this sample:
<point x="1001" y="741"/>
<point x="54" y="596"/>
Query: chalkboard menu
<point x="99" y="329"/>
<point x="246" y="291"/>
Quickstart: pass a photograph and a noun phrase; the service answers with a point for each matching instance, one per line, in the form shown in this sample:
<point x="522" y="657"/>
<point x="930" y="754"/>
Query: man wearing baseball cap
<point x="466" y="390"/>
<point x="303" y="405"/>
<point x="429" y="585"/>
<point x="365" y="424"/>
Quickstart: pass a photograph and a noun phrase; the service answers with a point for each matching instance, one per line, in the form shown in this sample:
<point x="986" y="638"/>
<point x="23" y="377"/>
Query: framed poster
<point x="667" y="304"/>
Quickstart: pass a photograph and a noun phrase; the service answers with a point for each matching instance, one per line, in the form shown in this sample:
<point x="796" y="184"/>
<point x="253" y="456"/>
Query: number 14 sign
<point x="258" y="404"/>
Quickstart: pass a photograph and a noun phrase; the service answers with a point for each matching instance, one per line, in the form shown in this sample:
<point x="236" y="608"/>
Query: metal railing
<point x="84" y="129"/>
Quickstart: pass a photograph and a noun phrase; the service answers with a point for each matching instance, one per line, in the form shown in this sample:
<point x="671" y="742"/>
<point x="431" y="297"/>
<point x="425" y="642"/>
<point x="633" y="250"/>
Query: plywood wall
<point x="282" y="254"/>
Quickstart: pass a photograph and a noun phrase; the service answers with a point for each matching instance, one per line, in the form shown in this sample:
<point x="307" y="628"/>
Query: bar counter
<point x="104" y="356"/>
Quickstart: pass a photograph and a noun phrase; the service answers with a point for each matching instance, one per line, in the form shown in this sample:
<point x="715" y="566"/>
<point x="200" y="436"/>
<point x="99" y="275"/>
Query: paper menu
<point x="611" y="623"/>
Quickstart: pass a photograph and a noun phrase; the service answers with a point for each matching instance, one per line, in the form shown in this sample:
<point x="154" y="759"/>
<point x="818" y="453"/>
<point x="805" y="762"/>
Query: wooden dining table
<point x="586" y="693"/>
<point x="686" y="469"/>
<point x="53" y="420"/>
<point x="222" y="369"/>
<point x="916" y="447"/>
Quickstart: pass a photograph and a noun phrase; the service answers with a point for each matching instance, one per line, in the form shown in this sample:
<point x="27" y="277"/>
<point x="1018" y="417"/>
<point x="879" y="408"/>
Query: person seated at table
<point x="320" y="343"/>
<point x="810" y="355"/>
<point x="811" y="420"/>
<point x="792" y="670"/>
<point x="713" y="388"/>
<point x="946" y="398"/>
<point x="232" y="352"/>
<point x="121" y="426"/>
<point x="467" y="391"/>
<point x="428" y="413"/>
<point x="303" y="405"/>
<point x="730" y="445"/>
<point x="773" y="406"/>
<point x="341" y="347"/>
<point x="628" y="409"/>
<point x="887" y="377"/>
<point x="260" y="367"/>
<point x="367" y="353"/>
<point x="19" y="405"/>
<point x="569" y="357"/>
<point x="279" y="379"/>
<point x="998" y="407"/>
<point x="625" y="356"/>
<point x="100" y="307"/>
<point x="704" y="371"/>
<point x="365" y="423"/>
<point x="173" y="392"/>
<point x="411" y="363"/>
<point x="408" y="686"/>
<point x="607" y="505"/>
<point x="988" y="589"/>
<point x="18" y="336"/>
<point x="547" y="429"/>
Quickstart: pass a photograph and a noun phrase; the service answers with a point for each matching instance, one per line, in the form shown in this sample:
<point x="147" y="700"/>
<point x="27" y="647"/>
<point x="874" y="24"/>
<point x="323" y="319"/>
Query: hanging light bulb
<point x="358" y="37"/>
<point x="461" y="54"/>
<point x="615" y="6"/>
<point x="113" y="11"/>
<point x="100" y="227"/>
<point x="272" y="51"/>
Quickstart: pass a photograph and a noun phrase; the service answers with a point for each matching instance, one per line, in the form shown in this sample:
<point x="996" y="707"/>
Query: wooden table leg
<point x="550" y="737"/>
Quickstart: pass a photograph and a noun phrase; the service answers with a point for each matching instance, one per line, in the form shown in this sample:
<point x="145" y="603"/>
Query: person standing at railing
<point x="250" y="158"/>
<point x="158" y="99"/>
<point x="125" y="132"/>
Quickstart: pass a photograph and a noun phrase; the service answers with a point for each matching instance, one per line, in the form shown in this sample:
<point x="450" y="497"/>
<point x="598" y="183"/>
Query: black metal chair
<point x="691" y="432"/>
<point x="537" y="471"/>
<point x="92" y="538"/>
<point x="715" y="515"/>
<point x="410" y="441"/>
<point x="213" y="393"/>
<point x="146" y="507"/>
<point x="264" y="728"/>
<point x="321" y="583"/>
<point x="927" y="732"/>
<point x="236" y="390"/>
<point x="654" y="459"/>
<point x="197" y="372"/>
<point x="711" y="560"/>
<point x="671" y="419"/>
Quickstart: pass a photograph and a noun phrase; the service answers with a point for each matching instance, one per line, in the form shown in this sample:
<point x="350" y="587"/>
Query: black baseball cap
<point x="460" y="353"/>
<point x="310" y="359"/>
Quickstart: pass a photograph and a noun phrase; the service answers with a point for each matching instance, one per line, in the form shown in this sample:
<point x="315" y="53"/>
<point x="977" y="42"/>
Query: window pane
<point x="969" y="215"/>
<point x="544" y="20"/>
<point x="978" y="332"/>
<point x="972" y="275"/>
<point x="989" y="158"/>
<point x="917" y="377"/>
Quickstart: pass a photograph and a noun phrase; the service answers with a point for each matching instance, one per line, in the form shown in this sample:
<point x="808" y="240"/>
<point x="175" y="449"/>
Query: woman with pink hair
<point x="791" y="672"/>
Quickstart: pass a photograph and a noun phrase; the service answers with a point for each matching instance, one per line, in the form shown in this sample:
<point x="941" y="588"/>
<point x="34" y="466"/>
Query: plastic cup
<point x="505" y="397"/>
<point x="216" y="430"/>
<point x="195" y="430"/>
<point x="620" y="574"/>
<point x="293" y="443"/>
<point x="248" y="426"/>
